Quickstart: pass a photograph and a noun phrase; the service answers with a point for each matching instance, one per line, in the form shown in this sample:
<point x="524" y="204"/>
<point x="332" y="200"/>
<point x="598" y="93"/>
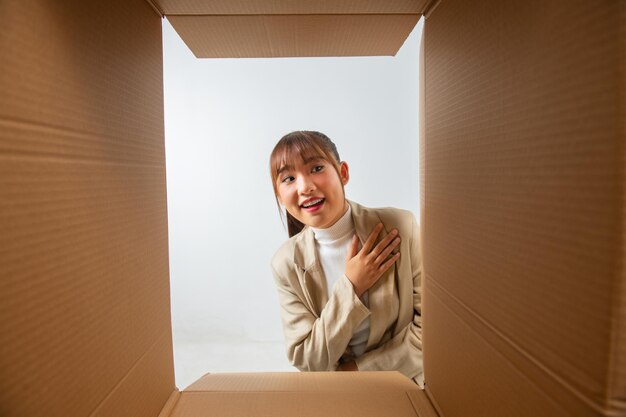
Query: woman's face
<point x="312" y="192"/>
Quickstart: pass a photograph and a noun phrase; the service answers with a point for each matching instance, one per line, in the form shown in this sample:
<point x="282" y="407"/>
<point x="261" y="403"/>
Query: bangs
<point x="297" y="145"/>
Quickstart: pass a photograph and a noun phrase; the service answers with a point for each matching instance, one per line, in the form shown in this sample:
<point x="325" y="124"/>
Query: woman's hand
<point x="365" y="267"/>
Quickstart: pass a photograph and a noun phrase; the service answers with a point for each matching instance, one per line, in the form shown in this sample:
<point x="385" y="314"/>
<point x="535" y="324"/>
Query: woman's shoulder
<point x="284" y="256"/>
<point x="401" y="219"/>
<point x="391" y="217"/>
<point x="394" y="213"/>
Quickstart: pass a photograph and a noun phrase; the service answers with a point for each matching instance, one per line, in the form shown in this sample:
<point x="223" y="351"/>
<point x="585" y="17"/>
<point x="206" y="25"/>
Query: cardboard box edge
<point x="170" y="404"/>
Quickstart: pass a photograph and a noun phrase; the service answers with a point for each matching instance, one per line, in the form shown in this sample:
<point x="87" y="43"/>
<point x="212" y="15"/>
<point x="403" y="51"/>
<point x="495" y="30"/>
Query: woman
<point x="349" y="277"/>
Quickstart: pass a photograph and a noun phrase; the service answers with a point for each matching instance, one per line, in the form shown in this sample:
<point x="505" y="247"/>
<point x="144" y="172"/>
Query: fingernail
<point x="394" y="231"/>
<point x="397" y="240"/>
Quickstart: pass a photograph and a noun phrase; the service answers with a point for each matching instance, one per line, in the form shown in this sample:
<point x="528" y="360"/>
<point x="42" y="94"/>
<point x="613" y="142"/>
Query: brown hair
<point x="303" y="144"/>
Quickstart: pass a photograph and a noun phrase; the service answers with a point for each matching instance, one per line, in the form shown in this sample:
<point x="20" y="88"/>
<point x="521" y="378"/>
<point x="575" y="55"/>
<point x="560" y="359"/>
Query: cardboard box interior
<point x="523" y="223"/>
<point x="523" y="217"/>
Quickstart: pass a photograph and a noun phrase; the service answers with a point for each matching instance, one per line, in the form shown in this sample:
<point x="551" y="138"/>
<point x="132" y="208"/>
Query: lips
<point x="308" y="202"/>
<point x="313" y="203"/>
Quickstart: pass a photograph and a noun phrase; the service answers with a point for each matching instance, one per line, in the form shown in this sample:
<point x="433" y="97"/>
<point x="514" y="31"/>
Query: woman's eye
<point x="318" y="168"/>
<point x="288" y="179"/>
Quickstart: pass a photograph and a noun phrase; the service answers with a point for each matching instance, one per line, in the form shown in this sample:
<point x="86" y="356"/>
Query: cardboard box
<point x="523" y="223"/>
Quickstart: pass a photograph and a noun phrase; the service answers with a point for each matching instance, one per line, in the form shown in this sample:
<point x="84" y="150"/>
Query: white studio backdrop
<point x="222" y="119"/>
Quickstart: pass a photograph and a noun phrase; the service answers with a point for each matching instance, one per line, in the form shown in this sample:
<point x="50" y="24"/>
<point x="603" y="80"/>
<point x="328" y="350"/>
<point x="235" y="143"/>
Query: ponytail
<point x="294" y="226"/>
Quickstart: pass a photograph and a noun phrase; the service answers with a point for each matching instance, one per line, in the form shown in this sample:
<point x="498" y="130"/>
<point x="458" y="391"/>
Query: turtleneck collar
<point x="340" y="229"/>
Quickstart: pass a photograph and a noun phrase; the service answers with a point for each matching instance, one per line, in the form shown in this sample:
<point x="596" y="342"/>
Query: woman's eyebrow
<point x="313" y="159"/>
<point x="308" y="160"/>
<point x="284" y="168"/>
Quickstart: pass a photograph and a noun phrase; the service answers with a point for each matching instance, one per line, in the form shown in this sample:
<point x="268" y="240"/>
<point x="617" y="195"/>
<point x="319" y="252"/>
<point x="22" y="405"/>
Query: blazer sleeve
<point x="317" y="343"/>
<point x="403" y="352"/>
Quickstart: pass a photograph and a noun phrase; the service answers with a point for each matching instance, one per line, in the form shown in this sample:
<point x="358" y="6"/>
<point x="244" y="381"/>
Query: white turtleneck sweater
<point x="332" y="246"/>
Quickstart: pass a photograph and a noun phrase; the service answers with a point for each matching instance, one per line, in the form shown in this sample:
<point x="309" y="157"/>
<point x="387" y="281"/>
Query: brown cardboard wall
<point x="243" y="7"/>
<point x="84" y="298"/>
<point x="523" y="221"/>
<point x="288" y="28"/>
<point x="294" y="35"/>
<point x="617" y="378"/>
<point x="304" y="394"/>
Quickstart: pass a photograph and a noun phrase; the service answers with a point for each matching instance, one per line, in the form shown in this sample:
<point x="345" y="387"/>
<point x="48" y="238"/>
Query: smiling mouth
<point x="317" y="203"/>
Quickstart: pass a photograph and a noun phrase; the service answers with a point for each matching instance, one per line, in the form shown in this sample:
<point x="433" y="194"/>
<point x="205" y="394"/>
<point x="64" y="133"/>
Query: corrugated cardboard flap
<point x="84" y="297"/>
<point x="243" y="29"/>
<point x="523" y="212"/>
<point x="247" y="7"/>
<point x="304" y="394"/>
<point x="170" y="404"/>
<point x="303" y="381"/>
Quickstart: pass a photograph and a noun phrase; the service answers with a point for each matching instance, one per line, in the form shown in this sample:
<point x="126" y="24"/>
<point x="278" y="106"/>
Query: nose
<point x="306" y="185"/>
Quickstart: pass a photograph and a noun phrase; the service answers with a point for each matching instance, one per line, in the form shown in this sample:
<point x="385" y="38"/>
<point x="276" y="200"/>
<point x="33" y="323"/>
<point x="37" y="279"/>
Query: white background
<point x="222" y="119"/>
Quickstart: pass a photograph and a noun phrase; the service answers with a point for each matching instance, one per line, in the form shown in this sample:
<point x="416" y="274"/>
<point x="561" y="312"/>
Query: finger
<point x="383" y="255"/>
<point x="382" y="245"/>
<point x="354" y="245"/>
<point x="390" y="262"/>
<point x="369" y="243"/>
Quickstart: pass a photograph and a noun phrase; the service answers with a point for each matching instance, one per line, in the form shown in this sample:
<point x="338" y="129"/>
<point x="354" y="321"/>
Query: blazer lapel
<point x="381" y="293"/>
<point x="311" y="274"/>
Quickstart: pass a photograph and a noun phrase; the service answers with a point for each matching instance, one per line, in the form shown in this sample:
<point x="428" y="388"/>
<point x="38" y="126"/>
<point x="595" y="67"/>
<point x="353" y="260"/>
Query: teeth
<point x="310" y="203"/>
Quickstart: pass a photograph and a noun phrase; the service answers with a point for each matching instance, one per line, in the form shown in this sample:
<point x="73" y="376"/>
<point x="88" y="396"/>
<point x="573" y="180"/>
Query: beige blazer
<point x="318" y="328"/>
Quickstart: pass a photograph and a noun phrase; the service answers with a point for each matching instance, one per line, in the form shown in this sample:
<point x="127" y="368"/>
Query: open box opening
<point x="522" y="212"/>
<point x="222" y="118"/>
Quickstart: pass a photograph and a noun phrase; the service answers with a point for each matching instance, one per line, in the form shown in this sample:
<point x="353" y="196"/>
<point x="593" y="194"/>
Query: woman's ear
<point x="344" y="172"/>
